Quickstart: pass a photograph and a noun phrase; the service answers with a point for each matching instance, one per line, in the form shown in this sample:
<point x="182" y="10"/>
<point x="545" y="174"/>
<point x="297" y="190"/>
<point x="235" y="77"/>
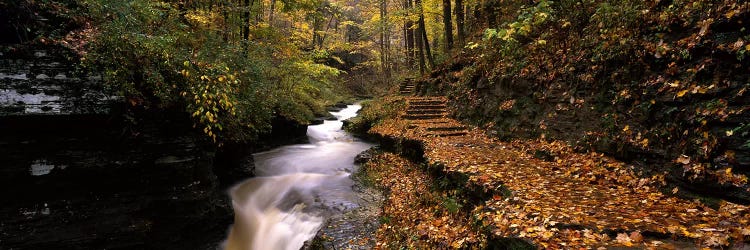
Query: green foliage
<point x="616" y="25"/>
<point x="529" y="21"/>
<point x="451" y="204"/>
<point x="160" y="57"/>
<point x="373" y="112"/>
<point x="301" y="85"/>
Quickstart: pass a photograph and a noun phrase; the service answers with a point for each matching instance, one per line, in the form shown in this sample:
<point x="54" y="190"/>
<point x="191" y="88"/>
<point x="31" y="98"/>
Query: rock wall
<point x="78" y="182"/>
<point x="44" y="80"/>
<point x="79" y="172"/>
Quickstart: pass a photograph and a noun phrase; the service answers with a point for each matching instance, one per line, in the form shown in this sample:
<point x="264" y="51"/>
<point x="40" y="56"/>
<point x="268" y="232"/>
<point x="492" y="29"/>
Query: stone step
<point x="426" y="102"/>
<point x="447" y="133"/>
<point x="436" y="106"/>
<point x="428" y="98"/>
<point x="428" y="107"/>
<point x="425" y="111"/>
<point x="429" y="123"/>
<point x="423" y="117"/>
<point x="450" y="128"/>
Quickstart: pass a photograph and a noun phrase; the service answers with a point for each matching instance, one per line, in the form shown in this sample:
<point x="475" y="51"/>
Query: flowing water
<point x="296" y="187"/>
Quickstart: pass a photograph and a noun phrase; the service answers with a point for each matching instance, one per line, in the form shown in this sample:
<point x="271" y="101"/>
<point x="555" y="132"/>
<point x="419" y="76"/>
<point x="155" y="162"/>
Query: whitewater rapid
<point x="295" y="188"/>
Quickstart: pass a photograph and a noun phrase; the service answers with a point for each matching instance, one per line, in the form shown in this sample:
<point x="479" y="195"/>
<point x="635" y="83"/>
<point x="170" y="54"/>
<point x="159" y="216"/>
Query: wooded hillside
<point x="661" y="84"/>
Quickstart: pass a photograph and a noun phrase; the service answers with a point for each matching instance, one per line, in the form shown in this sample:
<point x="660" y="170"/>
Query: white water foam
<point x="297" y="185"/>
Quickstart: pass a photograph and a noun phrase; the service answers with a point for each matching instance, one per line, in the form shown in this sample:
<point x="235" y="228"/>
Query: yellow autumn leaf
<point x="682" y="93"/>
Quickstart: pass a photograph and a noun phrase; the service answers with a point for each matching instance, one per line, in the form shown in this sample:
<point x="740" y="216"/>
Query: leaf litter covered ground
<point x="414" y="215"/>
<point x="555" y="199"/>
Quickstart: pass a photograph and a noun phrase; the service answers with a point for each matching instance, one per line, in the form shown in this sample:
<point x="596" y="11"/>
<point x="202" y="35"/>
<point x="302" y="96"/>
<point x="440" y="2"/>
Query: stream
<point x="296" y="188"/>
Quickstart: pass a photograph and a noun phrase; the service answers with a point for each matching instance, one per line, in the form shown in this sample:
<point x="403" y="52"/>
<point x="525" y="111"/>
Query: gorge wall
<point x="78" y="171"/>
<point x="81" y="169"/>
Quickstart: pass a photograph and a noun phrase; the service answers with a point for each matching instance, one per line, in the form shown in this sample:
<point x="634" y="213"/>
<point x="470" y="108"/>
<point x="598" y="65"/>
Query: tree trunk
<point x="490" y="14"/>
<point x="246" y="20"/>
<point x="405" y="33"/>
<point x="325" y="33"/>
<point x="259" y="15"/>
<point x="460" y="23"/>
<point x="427" y="51"/>
<point x="381" y="28"/>
<point x="418" y="38"/>
<point x="448" y="26"/>
<point x="410" y="43"/>
<point x="387" y="38"/>
<point x="225" y="15"/>
<point x="270" y="13"/>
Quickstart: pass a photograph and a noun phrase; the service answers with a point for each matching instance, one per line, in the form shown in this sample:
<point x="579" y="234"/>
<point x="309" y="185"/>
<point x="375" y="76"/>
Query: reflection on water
<point x="296" y="187"/>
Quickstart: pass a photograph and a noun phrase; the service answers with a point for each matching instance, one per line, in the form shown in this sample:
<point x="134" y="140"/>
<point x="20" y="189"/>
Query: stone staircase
<point x="407" y="87"/>
<point x="431" y="115"/>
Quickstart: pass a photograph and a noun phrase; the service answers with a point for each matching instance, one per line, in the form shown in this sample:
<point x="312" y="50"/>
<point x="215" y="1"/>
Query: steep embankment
<point x="484" y="193"/>
<point x="82" y="169"/>
<point x="660" y="84"/>
<point x="77" y="172"/>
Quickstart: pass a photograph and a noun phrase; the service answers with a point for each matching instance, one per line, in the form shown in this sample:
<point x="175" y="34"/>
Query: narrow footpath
<point x="546" y="194"/>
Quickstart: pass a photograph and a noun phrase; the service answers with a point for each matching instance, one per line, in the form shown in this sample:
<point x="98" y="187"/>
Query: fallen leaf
<point x="636" y="236"/>
<point x="683" y="159"/>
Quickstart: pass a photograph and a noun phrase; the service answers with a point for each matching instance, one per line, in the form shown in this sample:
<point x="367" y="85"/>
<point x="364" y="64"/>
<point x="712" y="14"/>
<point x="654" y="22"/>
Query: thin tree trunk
<point x="317" y="24"/>
<point x="270" y="13"/>
<point x="406" y="42"/>
<point x="410" y="43"/>
<point x="418" y="38"/>
<point x="225" y="15"/>
<point x="259" y="14"/>
<point x="387" y="40"/>
<point x="325" y="33"/>
<point x="428" y="52"/>
<point x="381" y="37"/>
<point x="448" y="26"/>
<point x="491" y="15"/>
<point x="460" y="23"/>
<point x="246" y="20"/>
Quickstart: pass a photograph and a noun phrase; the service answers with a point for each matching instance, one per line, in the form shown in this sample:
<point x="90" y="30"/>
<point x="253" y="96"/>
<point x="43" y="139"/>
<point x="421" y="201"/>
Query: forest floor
<point x="484" y="192"/>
